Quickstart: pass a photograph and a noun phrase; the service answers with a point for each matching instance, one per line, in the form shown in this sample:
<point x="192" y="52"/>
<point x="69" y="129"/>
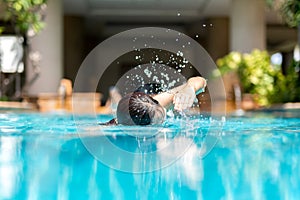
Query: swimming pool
<point x="256" y="157"/>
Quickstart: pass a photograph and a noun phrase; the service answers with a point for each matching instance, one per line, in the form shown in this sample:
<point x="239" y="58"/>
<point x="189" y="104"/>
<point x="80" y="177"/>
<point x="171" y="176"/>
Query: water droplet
<point x="176" y="39"/>
<point x="183" y="46"/>
<point x="189" y="43"/>
<point x="178" y="14"/>
<point x="210" y="24"/>
<point x="204" y="25"/>
<point x="179" y="53"/>
<point x="197" y="36"/>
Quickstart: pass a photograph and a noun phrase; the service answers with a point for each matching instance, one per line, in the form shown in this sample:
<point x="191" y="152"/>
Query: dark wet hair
<point x="110" y="122"/>
<point x="138" y="108"/>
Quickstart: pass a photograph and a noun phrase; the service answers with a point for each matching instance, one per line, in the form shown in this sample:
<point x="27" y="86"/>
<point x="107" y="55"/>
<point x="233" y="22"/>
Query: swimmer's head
<point x="139" y="109"/>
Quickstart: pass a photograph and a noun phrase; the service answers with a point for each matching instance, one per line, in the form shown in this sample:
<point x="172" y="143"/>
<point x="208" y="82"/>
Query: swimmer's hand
<point x="184" y="98"/>
<point x="185" y="95"/>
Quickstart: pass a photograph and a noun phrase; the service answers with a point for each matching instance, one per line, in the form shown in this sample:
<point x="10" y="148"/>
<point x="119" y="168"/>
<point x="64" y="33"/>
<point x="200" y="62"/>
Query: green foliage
<point x="25" y="14"/>
<point x="4" y="98"/>
<point x="289" y="10"/>
<point x="258" y="76"/>
<point x="287" y="87"/>
<point x="229" y="63"/>
<point x="1" y="29"/>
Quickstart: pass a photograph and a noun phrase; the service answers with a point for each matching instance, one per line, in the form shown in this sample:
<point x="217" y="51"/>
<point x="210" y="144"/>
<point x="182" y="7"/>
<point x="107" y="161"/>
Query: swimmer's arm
<point x="166" y="98"/>
<point x="198" y="83"/>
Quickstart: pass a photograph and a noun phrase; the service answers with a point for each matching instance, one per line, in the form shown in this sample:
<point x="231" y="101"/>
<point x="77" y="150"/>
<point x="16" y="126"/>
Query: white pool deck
<point x="284" y="106"/>
<point x="26" y="106"/>
<point x="12" y="105"/>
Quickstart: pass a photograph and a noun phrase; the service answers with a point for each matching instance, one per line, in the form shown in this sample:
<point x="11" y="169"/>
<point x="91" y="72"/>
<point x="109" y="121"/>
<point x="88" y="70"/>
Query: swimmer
<point x="139" y="108"/>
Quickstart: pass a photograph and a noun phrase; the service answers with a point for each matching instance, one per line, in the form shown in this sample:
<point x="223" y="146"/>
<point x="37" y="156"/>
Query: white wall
<point x="50" y="45"/>
<point x="247" y="25"/>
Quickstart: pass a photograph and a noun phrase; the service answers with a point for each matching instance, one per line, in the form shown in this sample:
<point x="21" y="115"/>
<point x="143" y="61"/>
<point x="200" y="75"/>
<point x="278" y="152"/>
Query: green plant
<point x="258" y="76"/>
<point x="24" y="14"/>
<point x="287" y="87"/>
<point x="289" y="10"/>
<point x="4" y="98"/>
<point x="228" y="63"/>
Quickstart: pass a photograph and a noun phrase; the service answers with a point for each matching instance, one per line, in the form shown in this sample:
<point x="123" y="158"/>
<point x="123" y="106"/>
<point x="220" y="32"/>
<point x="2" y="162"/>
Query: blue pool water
<point x="59" y="156"/>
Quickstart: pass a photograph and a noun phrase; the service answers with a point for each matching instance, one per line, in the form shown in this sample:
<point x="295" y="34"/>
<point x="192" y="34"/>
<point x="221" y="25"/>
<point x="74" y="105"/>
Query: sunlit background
<point x="254" y="153"/>
<point x="74" y="27"/>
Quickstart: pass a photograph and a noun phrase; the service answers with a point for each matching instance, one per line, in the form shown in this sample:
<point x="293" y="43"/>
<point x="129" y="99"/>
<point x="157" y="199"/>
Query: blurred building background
<point x="75" y="27"/>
